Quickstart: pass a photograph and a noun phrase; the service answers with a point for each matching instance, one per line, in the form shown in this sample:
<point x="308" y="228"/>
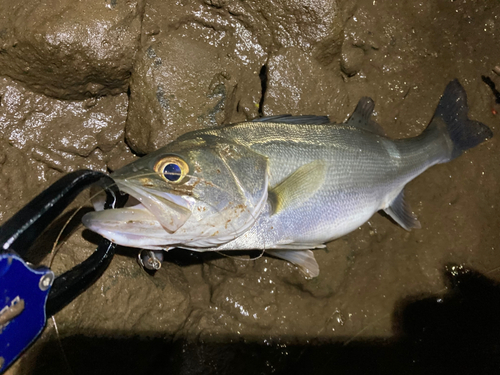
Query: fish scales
<point x="364" y="172"/>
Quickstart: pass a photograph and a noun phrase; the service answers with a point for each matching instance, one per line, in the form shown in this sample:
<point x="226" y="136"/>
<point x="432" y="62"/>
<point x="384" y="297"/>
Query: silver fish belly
<point x="322" y="180"/>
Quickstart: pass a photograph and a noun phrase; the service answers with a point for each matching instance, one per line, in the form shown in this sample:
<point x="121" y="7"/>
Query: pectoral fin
<point x="401" y="213"/>
<point x="299" y="186"/>
<point x="304" y="259"/>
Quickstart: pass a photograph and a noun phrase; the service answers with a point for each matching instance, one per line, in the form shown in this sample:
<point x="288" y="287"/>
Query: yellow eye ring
<point x="172" y="169"/>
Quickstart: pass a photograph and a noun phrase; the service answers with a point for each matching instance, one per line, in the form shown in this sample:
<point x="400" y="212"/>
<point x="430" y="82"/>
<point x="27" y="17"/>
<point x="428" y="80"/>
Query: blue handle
<point x="23" y="295"/>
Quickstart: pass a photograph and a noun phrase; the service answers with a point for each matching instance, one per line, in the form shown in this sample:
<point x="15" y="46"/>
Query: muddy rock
<point x="200" y="66"/>
<point x="247" y="307"/>
<point x="19" y="177"/>
<point x="70" y="50"/>
<point x="196" y="68"/>
<point x="61" y="135"/>
<point x="42" y="138"/>
<point x="239" y="307"/>
<point x="352" y="59"/>
<point x="284" y="23"/>
<point x="298" y="84"/>
<point x="176" y="89"/>
<point x="109" y="306"/>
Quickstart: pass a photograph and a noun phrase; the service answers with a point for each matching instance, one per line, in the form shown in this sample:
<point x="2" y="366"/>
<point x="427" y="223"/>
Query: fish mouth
<point x="147" y="220"/>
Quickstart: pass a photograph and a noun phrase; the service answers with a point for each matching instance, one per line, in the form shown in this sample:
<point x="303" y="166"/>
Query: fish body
<point x="284" y="184"/>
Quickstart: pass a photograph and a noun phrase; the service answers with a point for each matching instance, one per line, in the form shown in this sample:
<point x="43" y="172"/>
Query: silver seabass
<point x="284" y="184"/>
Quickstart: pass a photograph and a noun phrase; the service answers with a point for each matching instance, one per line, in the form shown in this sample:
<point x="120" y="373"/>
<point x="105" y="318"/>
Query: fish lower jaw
<point x="137" y="227"/>
<point x="153" y="237"/>
<point x="133" y="240"/>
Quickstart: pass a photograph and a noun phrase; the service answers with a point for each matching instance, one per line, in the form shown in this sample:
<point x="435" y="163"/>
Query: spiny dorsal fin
<point x="299" y="186"/>
<point x="289" y="119"/>
<point x="304" y="259"/>
<point x="361" y="117"/>
<point x="401" y="213"/>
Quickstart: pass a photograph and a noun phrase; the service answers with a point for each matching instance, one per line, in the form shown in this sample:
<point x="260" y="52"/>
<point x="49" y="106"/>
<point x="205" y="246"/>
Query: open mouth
<point x="148" y="218"/>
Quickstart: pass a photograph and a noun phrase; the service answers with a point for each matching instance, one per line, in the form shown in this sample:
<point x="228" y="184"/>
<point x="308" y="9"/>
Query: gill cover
<point x="230" y="184"/>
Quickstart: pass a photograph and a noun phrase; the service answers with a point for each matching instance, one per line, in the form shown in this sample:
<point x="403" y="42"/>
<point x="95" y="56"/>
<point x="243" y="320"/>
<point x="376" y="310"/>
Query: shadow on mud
<point x="455" y="333"/>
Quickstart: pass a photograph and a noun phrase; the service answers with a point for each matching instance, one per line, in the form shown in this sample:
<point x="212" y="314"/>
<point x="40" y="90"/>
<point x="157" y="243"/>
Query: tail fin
<point x="453" y="109"/>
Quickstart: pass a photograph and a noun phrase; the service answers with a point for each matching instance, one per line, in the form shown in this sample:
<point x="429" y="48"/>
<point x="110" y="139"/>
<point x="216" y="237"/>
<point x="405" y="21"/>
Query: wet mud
<point x="96" y="87"/>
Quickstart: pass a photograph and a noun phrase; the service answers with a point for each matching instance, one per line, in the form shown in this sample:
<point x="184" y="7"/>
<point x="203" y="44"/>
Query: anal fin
<point x="401" y="213"/>
<point x="304" y="259"/>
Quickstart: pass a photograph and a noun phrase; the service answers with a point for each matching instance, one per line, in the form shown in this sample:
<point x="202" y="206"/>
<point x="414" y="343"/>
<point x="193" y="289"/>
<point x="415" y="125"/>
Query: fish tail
<point x="450" y="119"/>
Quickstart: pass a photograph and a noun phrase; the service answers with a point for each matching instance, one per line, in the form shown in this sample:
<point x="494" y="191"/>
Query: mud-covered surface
<point x="89" y="87"/>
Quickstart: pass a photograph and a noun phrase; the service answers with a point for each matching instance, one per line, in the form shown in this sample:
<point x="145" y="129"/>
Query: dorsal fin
<point x="289" y="119"/>
<point x="361" y="117"/>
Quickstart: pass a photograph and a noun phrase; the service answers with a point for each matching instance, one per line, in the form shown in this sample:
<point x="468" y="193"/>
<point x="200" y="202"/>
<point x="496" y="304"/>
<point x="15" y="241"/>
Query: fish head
<point x="198" y="191"/>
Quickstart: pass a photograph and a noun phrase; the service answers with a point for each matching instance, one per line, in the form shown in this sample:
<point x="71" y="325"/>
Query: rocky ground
<point x="95" y="84"/>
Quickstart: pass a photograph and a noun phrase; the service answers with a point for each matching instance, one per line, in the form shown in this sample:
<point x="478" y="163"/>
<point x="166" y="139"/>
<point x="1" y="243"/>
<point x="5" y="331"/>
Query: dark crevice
<point x="263" y="83"/>
<point x="491" y="84"/>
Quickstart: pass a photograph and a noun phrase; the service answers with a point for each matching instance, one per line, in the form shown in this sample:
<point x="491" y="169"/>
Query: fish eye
<point x="172" y="172"/>
<point x="172" y="169"/>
